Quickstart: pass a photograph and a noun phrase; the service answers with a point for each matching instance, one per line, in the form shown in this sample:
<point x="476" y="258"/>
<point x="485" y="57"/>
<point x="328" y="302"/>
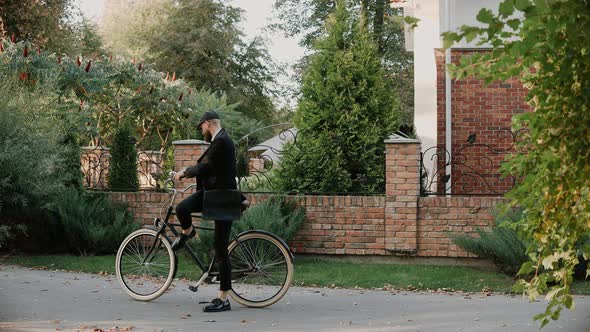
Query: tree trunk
<point x="378" y="23"/>
<point x="365" y="9"/>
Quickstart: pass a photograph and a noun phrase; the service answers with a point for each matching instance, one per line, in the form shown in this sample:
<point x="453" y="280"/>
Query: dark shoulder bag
<point x="222" y="204"/>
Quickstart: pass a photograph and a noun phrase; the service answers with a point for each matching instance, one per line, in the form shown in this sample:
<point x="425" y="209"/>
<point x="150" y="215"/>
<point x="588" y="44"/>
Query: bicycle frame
<point x="161" y="230"/>
<point x="161" y="226"/>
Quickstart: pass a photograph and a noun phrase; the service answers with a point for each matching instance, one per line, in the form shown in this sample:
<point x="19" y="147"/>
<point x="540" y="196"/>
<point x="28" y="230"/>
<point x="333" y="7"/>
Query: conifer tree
<point x="344" y="114"/>
<point x="123" y="164"/>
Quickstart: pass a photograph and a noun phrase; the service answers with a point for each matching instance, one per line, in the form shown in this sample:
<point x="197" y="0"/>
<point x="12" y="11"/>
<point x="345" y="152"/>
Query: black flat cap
<point x="208" y="115"/>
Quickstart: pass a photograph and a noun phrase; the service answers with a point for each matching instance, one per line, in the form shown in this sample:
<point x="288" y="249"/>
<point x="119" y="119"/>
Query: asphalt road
<point x="41" y="300"/>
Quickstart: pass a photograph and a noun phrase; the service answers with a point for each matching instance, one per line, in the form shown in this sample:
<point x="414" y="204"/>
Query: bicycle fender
<point x="271" y="235"/>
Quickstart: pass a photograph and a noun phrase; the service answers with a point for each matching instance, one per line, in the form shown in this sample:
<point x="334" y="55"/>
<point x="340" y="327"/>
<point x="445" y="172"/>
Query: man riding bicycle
<point x="215" y="169"/>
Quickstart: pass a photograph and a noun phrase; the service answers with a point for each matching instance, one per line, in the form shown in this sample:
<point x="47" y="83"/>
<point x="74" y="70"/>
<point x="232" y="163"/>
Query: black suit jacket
<point x="216" y="168"/>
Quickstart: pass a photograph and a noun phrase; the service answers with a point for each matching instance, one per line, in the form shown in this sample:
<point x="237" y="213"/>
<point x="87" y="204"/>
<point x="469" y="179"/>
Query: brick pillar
<point x="186" y="153"/>
<point x="402" y="178"/>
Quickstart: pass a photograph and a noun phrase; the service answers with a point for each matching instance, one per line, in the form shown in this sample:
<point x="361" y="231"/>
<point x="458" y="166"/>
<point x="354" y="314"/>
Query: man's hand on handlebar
<point x="176" y="176"/>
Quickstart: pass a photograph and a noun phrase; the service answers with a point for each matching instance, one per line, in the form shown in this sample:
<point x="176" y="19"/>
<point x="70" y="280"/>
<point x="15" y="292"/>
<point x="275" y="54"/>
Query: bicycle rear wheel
<point x="262" y="270"/>
<point x="145" y="265"/>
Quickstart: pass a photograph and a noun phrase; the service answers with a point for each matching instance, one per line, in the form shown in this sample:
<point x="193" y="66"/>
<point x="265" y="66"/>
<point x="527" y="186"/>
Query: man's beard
<point x="207" y="137"/>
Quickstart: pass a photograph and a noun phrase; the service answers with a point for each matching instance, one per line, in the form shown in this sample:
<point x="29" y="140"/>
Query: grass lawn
<point x="323" y="272"/>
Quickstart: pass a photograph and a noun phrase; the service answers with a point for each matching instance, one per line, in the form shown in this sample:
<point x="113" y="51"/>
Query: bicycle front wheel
<point x="145" y="265"/>
<point x="262" y="270"/>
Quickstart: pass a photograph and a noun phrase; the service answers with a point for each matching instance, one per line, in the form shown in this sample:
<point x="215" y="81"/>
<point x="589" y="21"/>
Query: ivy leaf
<point x="514" y="24"/>
<point x="449" y="39"/>
<point x="470" y="33"/>
<point x="506" y="8"/>
<point x="569" y="303"/>
<point x="526" y="268"/>
<point x="485" y="16"/>
<point x="552" y="293"/>
<point x="411" y="21"/>
<point x="521" y="4"/>
<point x="544" y="322"/>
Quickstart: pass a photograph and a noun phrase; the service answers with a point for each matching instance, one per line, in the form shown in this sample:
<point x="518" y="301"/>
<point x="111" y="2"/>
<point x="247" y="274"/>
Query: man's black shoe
<point x="182" y="239"/>
<point x="217" y="305"/>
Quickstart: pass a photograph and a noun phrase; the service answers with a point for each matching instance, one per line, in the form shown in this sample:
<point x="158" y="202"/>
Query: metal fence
<point x="473" y="168"/>
<point x="95" y="163"/>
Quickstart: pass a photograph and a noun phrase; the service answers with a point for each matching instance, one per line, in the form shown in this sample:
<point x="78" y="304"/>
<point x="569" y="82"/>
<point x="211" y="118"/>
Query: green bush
<point x="501" y="244"/>
<point x="8" y="232"/>
<point x="123" y="165"/>
<point x="92" y="225"/>
<point x="71" y="159"/>
<point x="277" y="215"/>
<point x="344" y="114"/>
<point x="31" y="168"/>
<point x="33" y="230"/>
<point x="32" y="164"/>
<point x="505" y="247"/>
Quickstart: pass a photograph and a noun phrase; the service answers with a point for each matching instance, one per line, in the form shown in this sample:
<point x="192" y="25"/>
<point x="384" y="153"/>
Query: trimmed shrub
<point x="71" y="160"/>
<point x="505" y="247"/>
<point x="92" y="224"/>
<point x="123" y="164"/>
<point x="501" y="244"/>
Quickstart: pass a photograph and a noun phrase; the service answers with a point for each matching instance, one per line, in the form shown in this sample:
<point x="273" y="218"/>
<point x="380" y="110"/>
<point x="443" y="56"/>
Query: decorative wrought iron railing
<point x="256" y="161"/>
<point x="474" y="167"/>
<point x="96" y="162"/>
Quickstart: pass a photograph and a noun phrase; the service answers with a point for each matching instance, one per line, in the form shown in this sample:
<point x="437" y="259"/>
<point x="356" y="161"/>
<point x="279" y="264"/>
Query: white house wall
<point x="423" y="41"/>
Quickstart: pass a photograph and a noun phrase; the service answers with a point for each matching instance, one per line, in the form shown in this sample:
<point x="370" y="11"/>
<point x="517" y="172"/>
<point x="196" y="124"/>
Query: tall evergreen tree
<point x="305" y="19"/>
<point x="344" y="114"/>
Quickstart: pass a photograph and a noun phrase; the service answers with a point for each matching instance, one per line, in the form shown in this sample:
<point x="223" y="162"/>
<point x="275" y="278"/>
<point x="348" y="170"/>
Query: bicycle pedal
<point x="193" y="288"/>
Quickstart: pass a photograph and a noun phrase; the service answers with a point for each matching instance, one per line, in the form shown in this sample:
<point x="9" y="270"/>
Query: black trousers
<point x="194" y="203"/>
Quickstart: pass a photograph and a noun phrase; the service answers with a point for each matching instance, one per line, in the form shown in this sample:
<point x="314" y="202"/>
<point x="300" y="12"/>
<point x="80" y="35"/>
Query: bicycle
<point x="262" y="264"/>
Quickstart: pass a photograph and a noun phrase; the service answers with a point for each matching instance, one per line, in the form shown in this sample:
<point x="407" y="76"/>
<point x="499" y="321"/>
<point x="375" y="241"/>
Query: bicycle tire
<point x="134" y="277"/>
<point x="257" y="256"/>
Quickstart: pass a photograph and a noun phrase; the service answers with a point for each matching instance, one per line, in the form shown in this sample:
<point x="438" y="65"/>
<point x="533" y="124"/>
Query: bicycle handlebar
<point x="174" y="190"/>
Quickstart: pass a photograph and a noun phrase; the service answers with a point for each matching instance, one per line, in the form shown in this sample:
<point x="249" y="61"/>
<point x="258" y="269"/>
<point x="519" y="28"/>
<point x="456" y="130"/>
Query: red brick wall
<point x="442" y="218"/>
<point x="352" y="225"/>
<point x="355" y="225"/>
<point x="145" y="205"/>
<point x="397" y="223"/>
<point x="485" y="111"/>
